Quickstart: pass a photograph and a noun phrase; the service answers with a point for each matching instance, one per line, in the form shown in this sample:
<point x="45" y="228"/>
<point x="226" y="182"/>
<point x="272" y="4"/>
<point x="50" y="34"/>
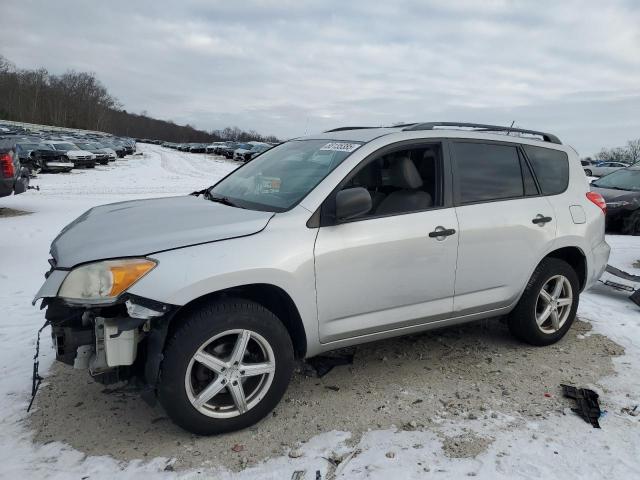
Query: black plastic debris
<point x="321" y="365"/>
<point x="587" y="400"/>
<point x="36" y="379"/>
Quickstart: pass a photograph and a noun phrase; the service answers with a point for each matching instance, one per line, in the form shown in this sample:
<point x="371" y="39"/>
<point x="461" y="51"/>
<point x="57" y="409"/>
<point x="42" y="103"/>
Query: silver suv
<point x="325" y="241"/>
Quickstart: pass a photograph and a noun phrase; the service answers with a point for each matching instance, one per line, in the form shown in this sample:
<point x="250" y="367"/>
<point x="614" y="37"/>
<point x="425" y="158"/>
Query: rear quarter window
<point x="551" y="168"/>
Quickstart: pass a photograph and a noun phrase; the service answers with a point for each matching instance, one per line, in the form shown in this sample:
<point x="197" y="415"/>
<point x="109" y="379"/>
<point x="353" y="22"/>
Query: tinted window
<point x="551" y="168"/>
<point x="487" y="172"/>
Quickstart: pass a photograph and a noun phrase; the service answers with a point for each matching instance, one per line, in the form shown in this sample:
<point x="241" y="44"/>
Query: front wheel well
<point x="574" y="257"/>
<point x="273" y="298"/>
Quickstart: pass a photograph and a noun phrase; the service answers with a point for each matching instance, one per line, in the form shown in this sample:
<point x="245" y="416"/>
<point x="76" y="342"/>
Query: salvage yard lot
<point x="462" y="401"/>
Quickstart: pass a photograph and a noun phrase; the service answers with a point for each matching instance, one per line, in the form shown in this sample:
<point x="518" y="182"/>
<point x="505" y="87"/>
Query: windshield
<point x="626" y="179"/>
<point x="282" y="176"/>
<point x="30" y="146"/>
<point x="65" y="146"/>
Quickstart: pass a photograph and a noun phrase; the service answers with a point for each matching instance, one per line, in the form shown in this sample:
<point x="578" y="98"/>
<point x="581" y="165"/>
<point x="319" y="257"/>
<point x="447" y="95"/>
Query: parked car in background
<point x="621" y="192"/>
<point x="40" y="157"/>
<point x="111" y="153"/>
<point x="211" y="148"/>
<point x="241" y="149"/>
<point x="323" y="242"/>
<point x="14" y="178"/>
<point x="101" y="156"/>
<point x="117" y="147"/>
<point x="256" y="150"/>
<point x="198" y="148"/>
<point x="603" y="168"/>
<point x="80" y="158"/>
<point x="228" y="149"/>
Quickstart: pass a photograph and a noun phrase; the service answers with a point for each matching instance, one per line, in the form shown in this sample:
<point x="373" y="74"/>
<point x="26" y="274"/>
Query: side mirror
<point x="352" y="203"/>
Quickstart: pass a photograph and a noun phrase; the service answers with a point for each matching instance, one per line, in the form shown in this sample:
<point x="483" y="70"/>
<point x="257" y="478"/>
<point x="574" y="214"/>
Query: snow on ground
<point x="561" y="446"/>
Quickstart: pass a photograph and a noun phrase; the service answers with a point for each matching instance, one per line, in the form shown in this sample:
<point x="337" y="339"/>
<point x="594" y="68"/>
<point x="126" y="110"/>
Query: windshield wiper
<point x="221" y="199"/>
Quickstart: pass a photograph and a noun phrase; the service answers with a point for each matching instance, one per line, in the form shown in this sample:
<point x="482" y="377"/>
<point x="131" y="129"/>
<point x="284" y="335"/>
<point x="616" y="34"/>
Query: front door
<point x="389" y="269"/>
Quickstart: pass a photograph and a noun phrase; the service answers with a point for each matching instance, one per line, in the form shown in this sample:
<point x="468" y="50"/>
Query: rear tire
<point x="588" y="173"/>
<point x="213" y="334"/>
<point x="542" y="317"/>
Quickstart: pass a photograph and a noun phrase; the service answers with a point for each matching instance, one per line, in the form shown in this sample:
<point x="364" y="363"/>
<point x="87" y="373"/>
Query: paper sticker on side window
<point x="341" y="147"/>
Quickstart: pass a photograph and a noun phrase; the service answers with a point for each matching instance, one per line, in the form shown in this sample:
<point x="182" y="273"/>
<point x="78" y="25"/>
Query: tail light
<point x="598" y="200"/>
<point x="6" y="165"/>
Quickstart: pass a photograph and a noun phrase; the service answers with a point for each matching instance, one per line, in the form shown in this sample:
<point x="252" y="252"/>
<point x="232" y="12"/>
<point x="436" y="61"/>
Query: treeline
<point x="80" y="100"/>
<point x="630" y="153"/>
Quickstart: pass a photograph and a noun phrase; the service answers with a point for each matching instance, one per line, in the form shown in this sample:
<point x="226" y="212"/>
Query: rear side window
<point x="487" y="172"/>
<point x="551" y="167"/>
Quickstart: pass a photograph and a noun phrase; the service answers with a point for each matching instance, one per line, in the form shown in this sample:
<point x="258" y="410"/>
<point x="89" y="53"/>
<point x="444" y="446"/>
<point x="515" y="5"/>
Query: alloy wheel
<point x="230" y="373"/>
<point x="554" y="304"/>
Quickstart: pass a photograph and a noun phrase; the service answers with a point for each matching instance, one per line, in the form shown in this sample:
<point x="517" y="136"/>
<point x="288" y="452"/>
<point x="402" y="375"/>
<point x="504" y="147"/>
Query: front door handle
<point x="541" y="219"/>
<point x="440" y="233"/>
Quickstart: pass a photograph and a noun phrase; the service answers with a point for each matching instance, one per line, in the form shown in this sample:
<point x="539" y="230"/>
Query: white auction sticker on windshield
<point x="341" y="147"/>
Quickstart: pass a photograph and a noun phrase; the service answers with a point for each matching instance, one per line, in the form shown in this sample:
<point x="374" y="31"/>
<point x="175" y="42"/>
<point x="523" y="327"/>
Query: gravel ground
<point x="475" y="372"/>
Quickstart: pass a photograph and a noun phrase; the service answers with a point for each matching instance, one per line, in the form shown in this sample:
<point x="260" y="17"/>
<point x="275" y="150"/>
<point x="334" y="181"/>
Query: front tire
<point x="588" y="173"/>
<point x="226" y="367"/>
<point x="548" y="306"/>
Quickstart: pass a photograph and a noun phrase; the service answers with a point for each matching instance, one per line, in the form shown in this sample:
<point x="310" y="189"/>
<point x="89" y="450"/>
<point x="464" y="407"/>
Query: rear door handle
<point x="441" y="232"/>
<point x="541" y="220"/>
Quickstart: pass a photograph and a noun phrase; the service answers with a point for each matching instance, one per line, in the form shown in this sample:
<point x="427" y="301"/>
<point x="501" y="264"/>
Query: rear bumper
<point x="597" y="263"/>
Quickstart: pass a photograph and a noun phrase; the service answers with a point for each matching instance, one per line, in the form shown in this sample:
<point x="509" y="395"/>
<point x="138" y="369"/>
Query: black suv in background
<point x="14" y="178"/>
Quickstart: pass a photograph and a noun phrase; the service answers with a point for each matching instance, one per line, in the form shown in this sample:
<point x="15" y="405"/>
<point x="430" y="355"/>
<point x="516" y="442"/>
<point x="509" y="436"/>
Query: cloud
<point x="290" y="67"/>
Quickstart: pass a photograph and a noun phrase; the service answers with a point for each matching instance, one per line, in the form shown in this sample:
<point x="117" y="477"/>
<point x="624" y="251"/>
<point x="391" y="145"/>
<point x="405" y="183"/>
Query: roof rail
<point x="341" y="129"/>
<point x="547" y="137"/>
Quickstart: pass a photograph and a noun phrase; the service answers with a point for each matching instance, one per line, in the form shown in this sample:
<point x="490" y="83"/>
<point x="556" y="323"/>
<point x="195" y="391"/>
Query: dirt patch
<point x="11" y="212"/>
<point x="467" y="373"/>
<point x="465" y="446"/>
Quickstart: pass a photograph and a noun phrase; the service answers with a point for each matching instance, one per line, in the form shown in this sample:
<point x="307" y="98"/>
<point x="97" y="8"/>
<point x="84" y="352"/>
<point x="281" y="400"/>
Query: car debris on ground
<point x="587" y="400"/>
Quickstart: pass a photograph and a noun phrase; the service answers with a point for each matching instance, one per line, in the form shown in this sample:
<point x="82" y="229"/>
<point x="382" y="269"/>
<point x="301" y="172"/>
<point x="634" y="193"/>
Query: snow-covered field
<point x="557" y="445"/>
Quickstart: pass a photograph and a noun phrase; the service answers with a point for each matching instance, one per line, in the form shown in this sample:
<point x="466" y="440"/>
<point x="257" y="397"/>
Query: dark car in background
<point x="120" y="149"/>
<point x="228" y="150"/>
<point x="621" y="192"/>
<point x="255" y="151"/>
<point x="38" y="157"/>
<point x="14" y="178"/>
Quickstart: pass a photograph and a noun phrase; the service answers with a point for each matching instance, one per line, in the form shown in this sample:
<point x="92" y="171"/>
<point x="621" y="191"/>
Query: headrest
<point x="404" y="174"/>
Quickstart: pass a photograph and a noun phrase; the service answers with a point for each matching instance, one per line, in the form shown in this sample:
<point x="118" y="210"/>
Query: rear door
<point x="505" y="224"/>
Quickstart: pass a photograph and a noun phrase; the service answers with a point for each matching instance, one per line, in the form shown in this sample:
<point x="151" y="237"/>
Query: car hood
<point x="612" y="195"/>
<point x="143" y="227"/>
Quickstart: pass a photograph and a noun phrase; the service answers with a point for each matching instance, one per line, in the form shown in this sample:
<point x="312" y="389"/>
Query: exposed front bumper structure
<point x="114" y="342"/>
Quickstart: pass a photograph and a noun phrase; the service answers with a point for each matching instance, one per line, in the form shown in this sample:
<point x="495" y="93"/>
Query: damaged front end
<point x="98" y="326"/>
<point x="115" y="343"/>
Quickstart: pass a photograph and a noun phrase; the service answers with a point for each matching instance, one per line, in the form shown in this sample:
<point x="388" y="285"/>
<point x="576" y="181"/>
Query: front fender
<point x="281" y="255"/>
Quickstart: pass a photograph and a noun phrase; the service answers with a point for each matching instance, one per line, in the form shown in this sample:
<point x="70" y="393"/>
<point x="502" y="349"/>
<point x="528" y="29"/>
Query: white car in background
<point x="604" y="168"/>
<point x="79" y="157"/>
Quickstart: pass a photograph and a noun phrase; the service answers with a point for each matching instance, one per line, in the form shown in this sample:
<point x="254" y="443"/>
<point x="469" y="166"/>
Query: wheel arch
<point x="272" y="297"/>
<point x="576" y="258"/>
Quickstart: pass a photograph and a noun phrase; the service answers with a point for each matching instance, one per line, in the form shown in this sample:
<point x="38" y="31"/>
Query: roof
<point x="366" y="134"/>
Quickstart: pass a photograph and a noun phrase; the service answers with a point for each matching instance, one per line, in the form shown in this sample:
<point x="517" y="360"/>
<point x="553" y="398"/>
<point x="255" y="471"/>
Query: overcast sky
<point x="293" y="67"/>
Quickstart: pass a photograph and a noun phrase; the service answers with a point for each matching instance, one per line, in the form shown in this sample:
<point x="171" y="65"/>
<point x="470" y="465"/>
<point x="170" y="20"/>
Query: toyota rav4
<point x="326" y="241"/>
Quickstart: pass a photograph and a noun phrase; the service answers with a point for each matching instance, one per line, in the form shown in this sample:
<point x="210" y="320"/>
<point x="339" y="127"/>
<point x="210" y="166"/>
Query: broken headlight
<point x="100" y="281"/>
